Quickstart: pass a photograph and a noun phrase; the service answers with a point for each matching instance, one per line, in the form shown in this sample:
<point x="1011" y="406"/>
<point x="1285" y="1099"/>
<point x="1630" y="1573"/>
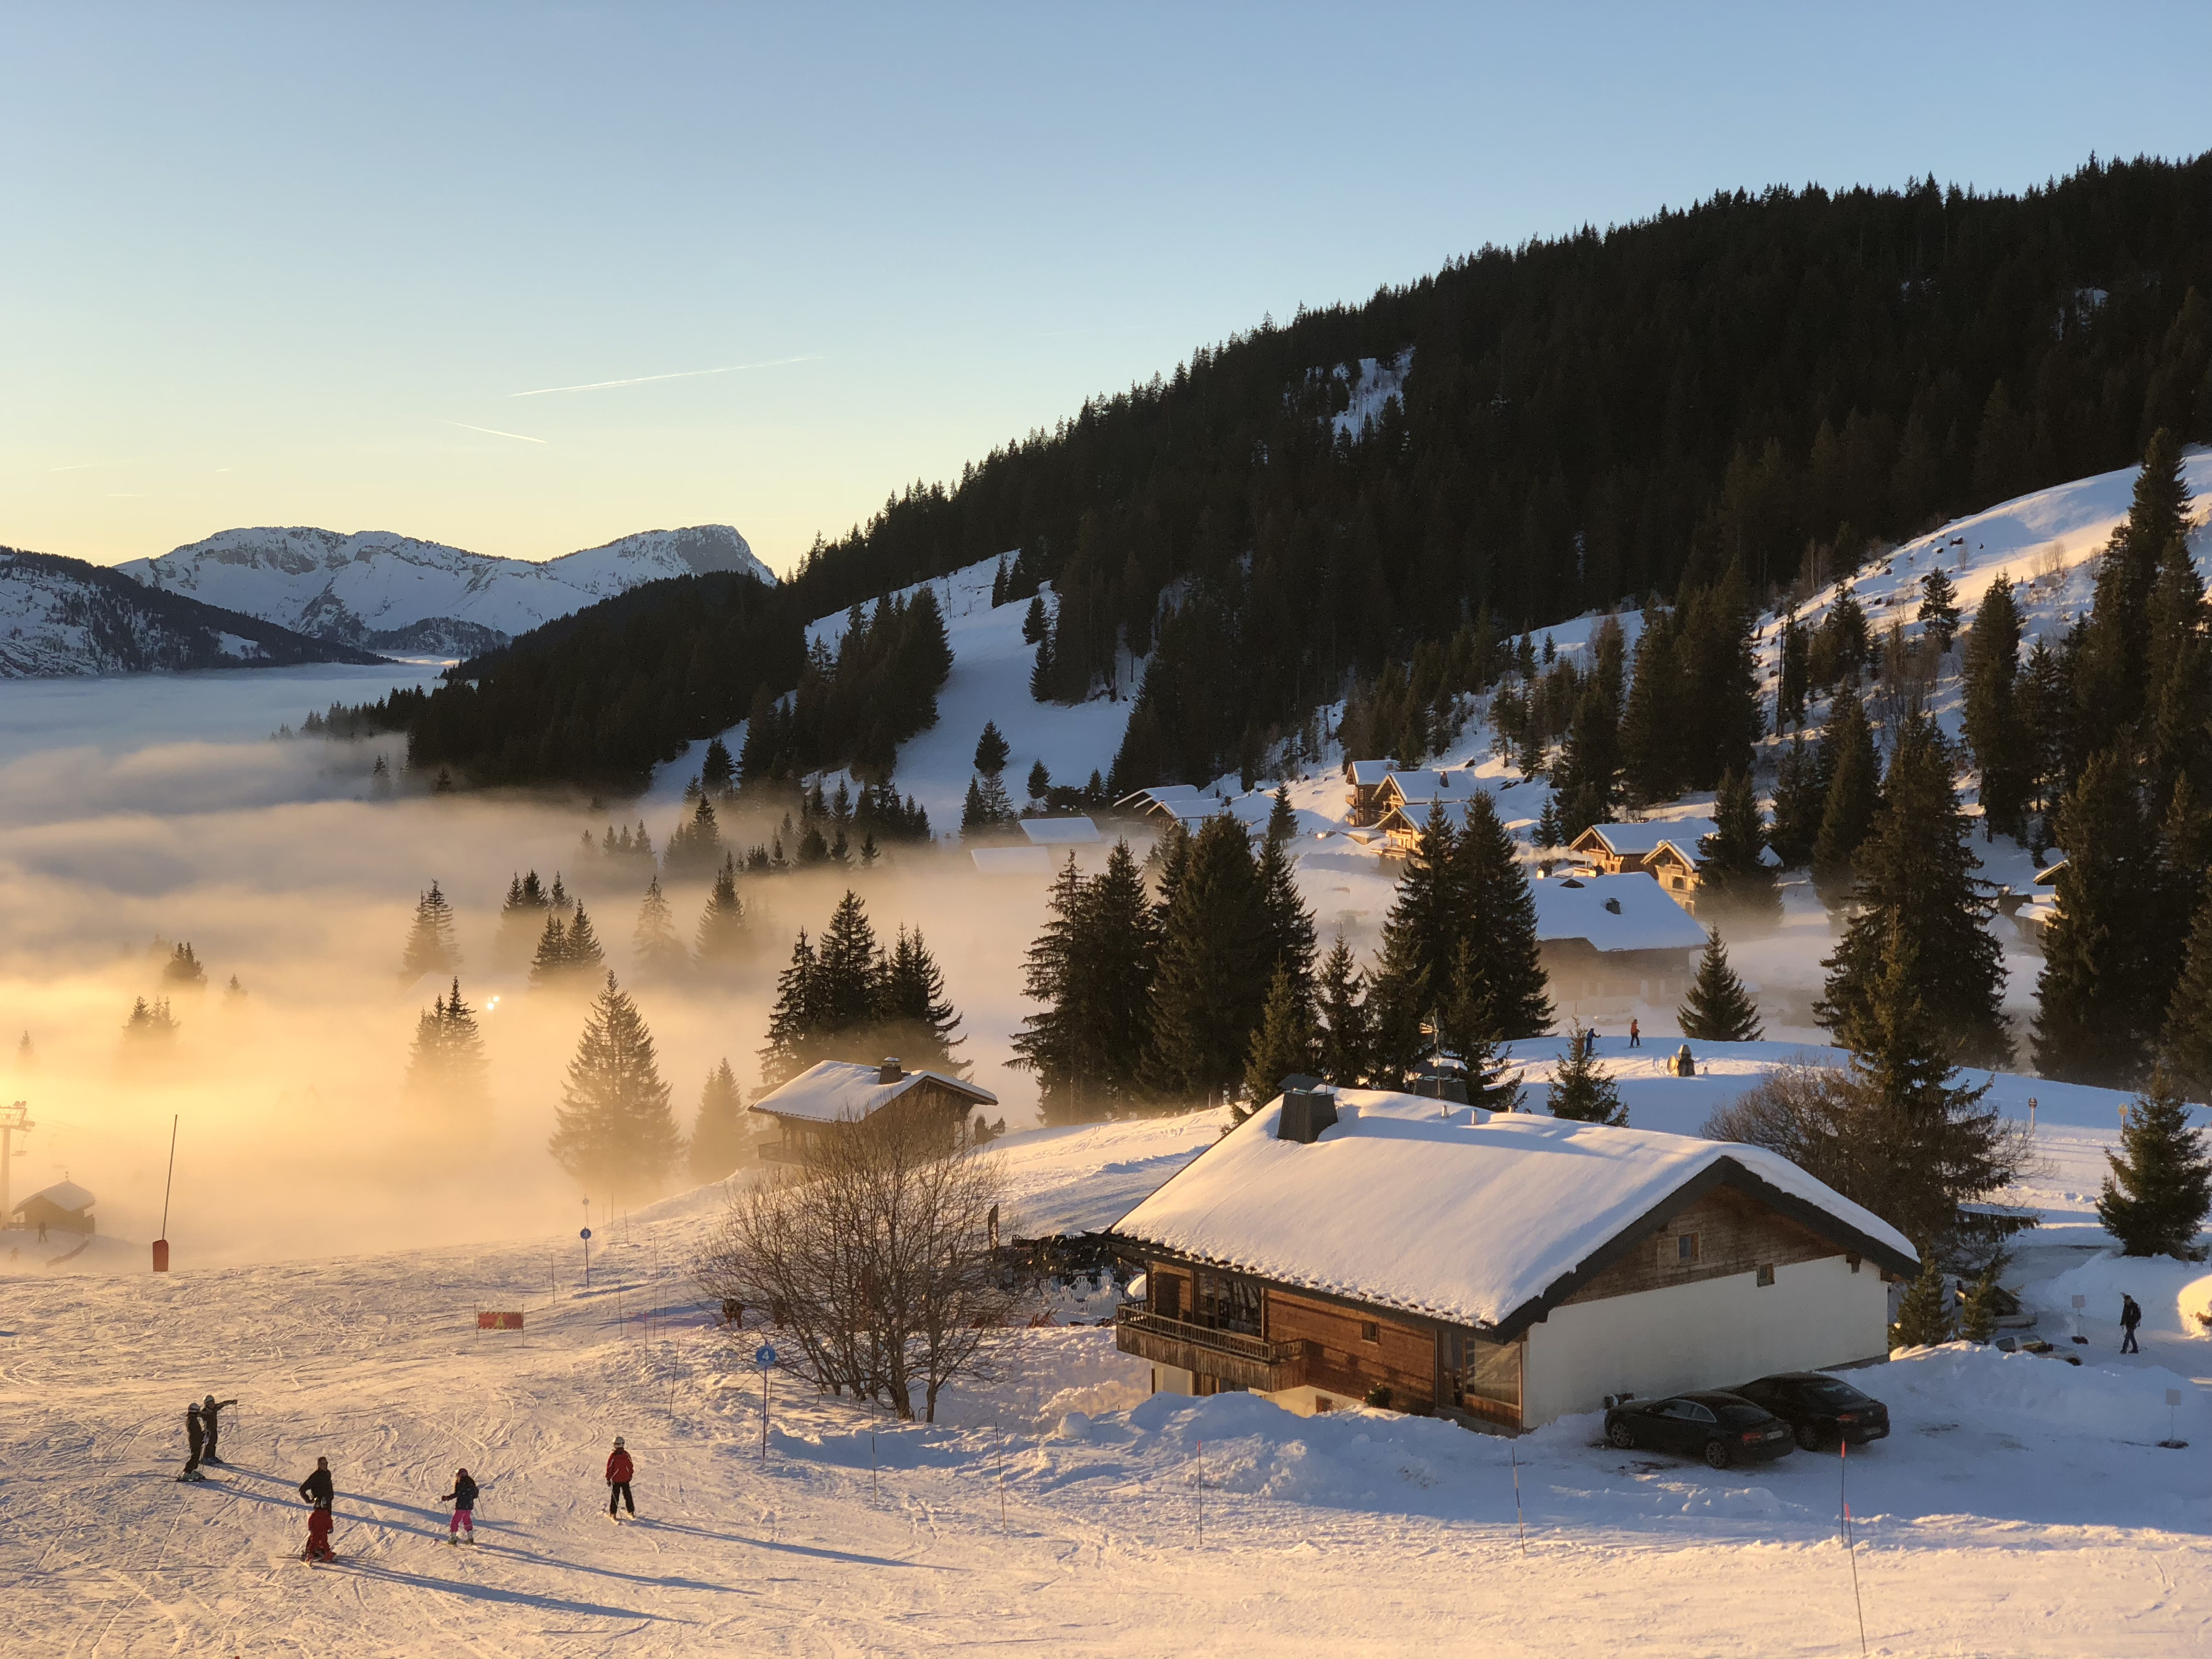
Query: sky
<point x="525" y="278"/>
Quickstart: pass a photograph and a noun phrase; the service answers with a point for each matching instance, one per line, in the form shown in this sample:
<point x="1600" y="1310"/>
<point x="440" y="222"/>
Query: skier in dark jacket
<point x="463" y="1498"/>
<point x="619" y="1471"/>
<point x="2131" y="1316"/>
<point x="195" y="1439"/>
<point x="316" y="1488"/>
<point x="211" y="1416"/>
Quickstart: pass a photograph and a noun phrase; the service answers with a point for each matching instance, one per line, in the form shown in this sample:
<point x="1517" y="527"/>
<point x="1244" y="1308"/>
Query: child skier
<point x="317" y="1489"/>
<point x="619" y="1471"/>
<point x="195" y="1438"/>
<point x="463" y="1527"/>
<point x="211" y="1418"/>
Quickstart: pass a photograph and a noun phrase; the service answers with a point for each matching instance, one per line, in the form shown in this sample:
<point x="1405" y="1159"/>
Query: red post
<point x="160" y="1255"/>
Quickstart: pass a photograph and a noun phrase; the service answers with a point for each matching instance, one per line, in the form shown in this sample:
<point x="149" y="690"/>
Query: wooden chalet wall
<point x="1735" y="1234"/>
<point x="1340" y="1359"/>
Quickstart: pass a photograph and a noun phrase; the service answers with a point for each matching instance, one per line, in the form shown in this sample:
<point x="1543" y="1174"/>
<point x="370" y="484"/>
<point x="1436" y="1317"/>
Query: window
<point x="1766" y="1273"/>
<point x="1370" y="1331"/>
<point x="1228" y="1304"/>
<point x="1686" y="1250"/>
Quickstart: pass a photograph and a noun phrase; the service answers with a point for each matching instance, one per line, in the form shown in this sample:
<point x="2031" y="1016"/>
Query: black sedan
<point x="1820" y="1410"/>
<point x="1721" y="1428"/>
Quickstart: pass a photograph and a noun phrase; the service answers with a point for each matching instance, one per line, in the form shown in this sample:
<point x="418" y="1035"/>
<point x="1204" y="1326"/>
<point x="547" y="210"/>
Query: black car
<point x="1820" y="1410"/>
<point x="1721" y="1428"/>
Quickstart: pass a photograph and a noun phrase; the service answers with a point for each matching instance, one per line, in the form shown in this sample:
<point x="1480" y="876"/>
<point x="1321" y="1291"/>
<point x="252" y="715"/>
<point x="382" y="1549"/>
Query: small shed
<point x="63" y="1207"/>
<point x="825" y="1099"/>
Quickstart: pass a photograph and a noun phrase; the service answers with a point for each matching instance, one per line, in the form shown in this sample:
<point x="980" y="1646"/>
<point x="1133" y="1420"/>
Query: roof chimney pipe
<point x="889" y="1072"/>
<point x="1306" y="1113"/>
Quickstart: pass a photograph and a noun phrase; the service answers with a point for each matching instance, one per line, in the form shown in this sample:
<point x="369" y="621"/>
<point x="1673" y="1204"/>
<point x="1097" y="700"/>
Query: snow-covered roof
<point x="62" y="1195"/>
<point x="1060" y="832"/>
<point x="1429" y="783"/>
<point x="1630" y="912"/>
<point x="1476" y="1218"/>
<point x="1366" y="774"/>
<point x="1641" y="841"/>
<point x="845" y="1091"/>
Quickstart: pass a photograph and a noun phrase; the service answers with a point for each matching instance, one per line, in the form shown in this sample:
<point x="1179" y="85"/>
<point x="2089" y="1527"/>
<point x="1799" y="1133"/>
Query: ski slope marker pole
<point x="1850" y="1544"/>
<point x="1520" y="1521"/>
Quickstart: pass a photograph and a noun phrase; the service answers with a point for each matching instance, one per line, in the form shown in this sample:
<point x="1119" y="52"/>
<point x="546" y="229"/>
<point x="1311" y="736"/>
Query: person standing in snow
<point x="212" y="1419"/>
<point x="463" y="1498"/>
<point x="2131" y="1316"/>
<point x="619" y="1471"/>
<point x="317" y="1490"/>
<point x="1635" y="1035"/>
<point x="195" y="1439"/>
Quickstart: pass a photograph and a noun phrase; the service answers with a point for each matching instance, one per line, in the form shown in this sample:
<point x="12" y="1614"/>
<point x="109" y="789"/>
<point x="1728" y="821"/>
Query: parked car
<point x="1820" y="1409"/>
<point x="1721" y="1428"/>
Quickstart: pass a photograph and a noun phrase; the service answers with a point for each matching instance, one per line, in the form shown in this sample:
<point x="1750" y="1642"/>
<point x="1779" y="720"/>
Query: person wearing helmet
<point x="619" y="1471"/>
<point x="211" y="1417"/>
<point x="195" y="1444"/>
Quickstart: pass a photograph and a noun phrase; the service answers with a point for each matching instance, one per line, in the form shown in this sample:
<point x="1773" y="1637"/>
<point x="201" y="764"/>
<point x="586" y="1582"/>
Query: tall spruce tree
<point x="1924" y="1313"/>
<point x="1466" y="1028"/>
<point x="654" y="944"/>
<point x="2178" y="695"/>
<point x="991" y="750"/>
<point x="1288" y="925"/>
<point x="913" y="1014"/>
<point x="793" y="1020"/>
<point x="719" y="1141"/>
<point x="1917" y="876"/>
<point x="1282" y="820"/>
<point x="1580" y="1090"/>
<point x="717" y="773"/>
<point x="2156" y="1196"/>
<point x="446" y="1071"/>
<point x="2000" y="745"/>
<point x="1718" y="1008"/>
<point x="521" y="920"/>
<point x="2096" y="1021"/>
<point x="1735" y="881"/>
<point x="1939" y="609"/>
<point x="1650" y="724"/>
<point x="1212" y="982"/>
<point x="1049" y="1042"/>
<point x="695" y="847"/>
<point x="430" y="945"/>
<point x="1852" y="794"/>
<point x="1346" y="1038"/>
<point x="723" y="939"/>
<point x="1501" y="913"/>
<point x="613" y="1132"/>
<point x="2185" y="1046"/>
<point x="1419" y="935"/>
<point x="1799" y="800"/>
<point x="1284" y="1046"/>
<point x="2112" y="671"/>
<point x="1586" y="781"/>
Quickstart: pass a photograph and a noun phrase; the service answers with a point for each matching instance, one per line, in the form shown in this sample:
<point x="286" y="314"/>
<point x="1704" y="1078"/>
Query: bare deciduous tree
<point x="873" y="1259"/>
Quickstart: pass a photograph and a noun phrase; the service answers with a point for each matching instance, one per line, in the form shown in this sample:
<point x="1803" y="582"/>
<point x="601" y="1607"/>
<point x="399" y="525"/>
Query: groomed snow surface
<point x="2020" y="1507"/>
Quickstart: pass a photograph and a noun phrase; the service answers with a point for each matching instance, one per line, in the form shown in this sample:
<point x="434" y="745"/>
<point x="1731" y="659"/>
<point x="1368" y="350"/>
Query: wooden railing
<point x="1252" y="1362"/>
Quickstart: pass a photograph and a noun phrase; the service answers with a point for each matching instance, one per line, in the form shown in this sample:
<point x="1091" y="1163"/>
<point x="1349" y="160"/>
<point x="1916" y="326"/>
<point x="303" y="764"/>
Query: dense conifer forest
<point x="1764" y="384"/>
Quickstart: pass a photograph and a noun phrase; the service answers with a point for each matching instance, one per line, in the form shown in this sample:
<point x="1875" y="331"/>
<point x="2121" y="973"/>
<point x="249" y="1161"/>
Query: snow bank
<point x="2034" y="1396"/>
<point x="2176" y="1296"/>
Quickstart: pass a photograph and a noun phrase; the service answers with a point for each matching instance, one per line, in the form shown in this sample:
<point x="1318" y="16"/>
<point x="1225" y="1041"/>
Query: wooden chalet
<point x="63" y="1207"/>
<point x="1670" y="853"/>
<point x="1405" y="799"/>
<point x="825" y="1099"/>
<point x="1363" y="782"/>
<point x="1610" y="942"/>
<point x="1501" y="1269"/>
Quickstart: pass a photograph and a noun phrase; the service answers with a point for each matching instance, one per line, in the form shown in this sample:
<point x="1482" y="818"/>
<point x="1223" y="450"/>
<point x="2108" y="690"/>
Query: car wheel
<point x="1808" y="1437"/>
<point x="1623" y="1436"/>
<point x="1718" y="1454"/>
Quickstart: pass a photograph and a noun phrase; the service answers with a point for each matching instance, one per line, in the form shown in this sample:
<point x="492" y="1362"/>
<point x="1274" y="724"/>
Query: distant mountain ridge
<point x="62" y="617"/>
<point x="385" y="591"/>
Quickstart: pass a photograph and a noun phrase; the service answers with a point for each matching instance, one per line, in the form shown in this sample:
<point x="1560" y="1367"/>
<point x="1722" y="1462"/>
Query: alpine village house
<point x="824" y="1099"/>
<point x="1499" y="1269"/>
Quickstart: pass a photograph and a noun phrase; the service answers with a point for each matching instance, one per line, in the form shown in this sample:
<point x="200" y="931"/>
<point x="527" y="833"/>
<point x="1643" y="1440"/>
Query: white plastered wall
<point x="1705" y="1335"/>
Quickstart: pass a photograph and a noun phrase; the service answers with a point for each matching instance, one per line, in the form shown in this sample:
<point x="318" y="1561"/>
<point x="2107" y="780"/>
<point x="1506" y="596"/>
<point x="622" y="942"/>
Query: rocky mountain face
<point x="61" y="616"/>
<point x="396" y="593"/>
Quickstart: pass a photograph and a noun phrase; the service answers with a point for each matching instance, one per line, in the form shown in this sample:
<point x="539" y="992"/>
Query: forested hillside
<point x="1766" y="382"/>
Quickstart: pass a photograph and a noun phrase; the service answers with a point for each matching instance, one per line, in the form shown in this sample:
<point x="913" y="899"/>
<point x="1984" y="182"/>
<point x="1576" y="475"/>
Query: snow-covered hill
<point x="62" y="617"/>
<point x="394" y="592"/>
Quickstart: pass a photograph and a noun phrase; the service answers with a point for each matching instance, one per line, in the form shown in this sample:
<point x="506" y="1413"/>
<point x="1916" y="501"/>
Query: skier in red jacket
<point x="619" y="1471"/>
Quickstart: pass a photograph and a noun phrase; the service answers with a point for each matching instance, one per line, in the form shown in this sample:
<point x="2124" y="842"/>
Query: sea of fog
<point x="137" y="812"/>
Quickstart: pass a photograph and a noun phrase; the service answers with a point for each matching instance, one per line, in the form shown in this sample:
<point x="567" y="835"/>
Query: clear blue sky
<point x="270" y="264"/>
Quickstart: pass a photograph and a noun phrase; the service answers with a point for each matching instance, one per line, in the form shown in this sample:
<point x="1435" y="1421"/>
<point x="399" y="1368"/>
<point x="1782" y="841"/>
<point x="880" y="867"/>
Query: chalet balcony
<point x="1249" y="1362"/>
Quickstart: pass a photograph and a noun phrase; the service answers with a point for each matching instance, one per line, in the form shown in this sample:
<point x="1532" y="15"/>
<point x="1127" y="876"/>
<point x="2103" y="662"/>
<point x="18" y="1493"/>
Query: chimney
<point x="889" y="1072"/>
<point x="1306" y="1113"/>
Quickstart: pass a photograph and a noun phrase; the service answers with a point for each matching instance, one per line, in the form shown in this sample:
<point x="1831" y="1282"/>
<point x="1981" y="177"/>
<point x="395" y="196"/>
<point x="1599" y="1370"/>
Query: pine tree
<point x="1040" y="781"/>
<point x="1287" y="924"/>
<point x="991" y="750"/>
<point x="183" y="969"/>
<point x="1650" y="729"/>
<point x="1466" y="1028"/>
<point x="430" y="947"/>
<point x="846" y="987"/>
<point x="718" y="774"/>
<point x="1049" y="1043"/>
<point x="1852" y="792"/>
<point x="1917" y="875"/>
<point x="1735" y="881"/>
<point x="1580" y="1090"/>
<point x="551" y="964"/>
<point x="913" y="1014"/>
<point x="695" y="847"/>
<point x="1282" y="820"/>
<point x="1795" y="680"/>
<point x="1345" y="1040"/>
<point x="1419" y="935"/>
<point x="613" y="1132"/>
<point x="582" y="956"/>
<point x="1719" y="1008"/>
<point x="1939" y="609"/>
<point x="1978" y="1310"/>
<point x="2097" y="1015"/>
<point x="1800" y="801"/>
<point x="2159" y="1188"/>
<point x="1501" y="913"/>
<point x="2002" y="748"/>
<point x="2178" y="693"/>
<point x="654" y="944"/>
<point x="1587" y="781"/>
<point x="1212" y="982"/>
<point x="1923" y="1315"/>
<point x="446" y="1071"/>
<point x="792" y="1021"/>
<point x="722" y="937"/>
<point x="718" y="1132"/>
<point x="150" y="1024"/>
<point x="521" y="920"/>
<point x="1284" y="1045"/>
<point x="1037" y="625"/>
<point x="1551" y="834"/>
<point x="2186" y="1047"/>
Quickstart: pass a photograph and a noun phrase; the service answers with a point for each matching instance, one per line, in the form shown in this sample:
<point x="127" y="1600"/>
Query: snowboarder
<point x="463" y="1498"/>
<point x="195" y="1438"/>
<point x="1635" y="1035"/>
<point x="316" y="1489"/>
<point x="619" y="1471"/>
<point x="210" y="1416"/>
<point x="2131" y="1316"/>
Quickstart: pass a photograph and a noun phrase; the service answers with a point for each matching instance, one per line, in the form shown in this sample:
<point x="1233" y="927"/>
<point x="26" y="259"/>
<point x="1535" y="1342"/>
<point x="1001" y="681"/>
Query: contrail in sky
<point x="680" y="374"/>
<point x="492" y="431"/>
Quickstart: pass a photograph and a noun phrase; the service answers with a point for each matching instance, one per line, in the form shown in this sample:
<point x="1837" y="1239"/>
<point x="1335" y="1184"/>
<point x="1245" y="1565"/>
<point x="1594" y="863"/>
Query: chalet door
<point x="1167" y="1295"/>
